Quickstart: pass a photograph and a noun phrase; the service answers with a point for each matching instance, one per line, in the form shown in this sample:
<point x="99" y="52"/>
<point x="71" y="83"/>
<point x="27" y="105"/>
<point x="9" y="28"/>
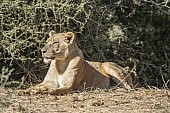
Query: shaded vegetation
<point x="133" y="33"/>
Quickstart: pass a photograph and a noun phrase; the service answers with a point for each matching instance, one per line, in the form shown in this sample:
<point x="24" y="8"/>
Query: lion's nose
<point x="43" y="51"/>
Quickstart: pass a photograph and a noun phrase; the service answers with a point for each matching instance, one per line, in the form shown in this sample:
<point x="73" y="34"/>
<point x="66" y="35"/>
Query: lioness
<point x="69" y="71"/>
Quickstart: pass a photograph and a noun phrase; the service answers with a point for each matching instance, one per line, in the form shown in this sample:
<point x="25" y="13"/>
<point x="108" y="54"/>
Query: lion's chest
<point x="61" y="80"/>
<point x="57" y="80"/>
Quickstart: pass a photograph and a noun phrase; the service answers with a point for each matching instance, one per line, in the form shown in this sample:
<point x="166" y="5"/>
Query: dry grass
<point x="113" y="101"/>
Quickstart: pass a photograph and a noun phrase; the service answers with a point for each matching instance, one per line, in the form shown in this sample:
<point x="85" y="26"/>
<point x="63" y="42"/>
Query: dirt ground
<point x="98" y="101"/>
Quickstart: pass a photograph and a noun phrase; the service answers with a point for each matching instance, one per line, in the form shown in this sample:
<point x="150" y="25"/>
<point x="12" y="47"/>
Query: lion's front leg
<point x="61" y="90"/>
<point x="39" y="88"/>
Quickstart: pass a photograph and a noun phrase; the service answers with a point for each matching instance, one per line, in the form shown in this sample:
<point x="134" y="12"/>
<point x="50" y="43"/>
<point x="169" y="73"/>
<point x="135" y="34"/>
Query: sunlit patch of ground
<point x="97" y="101"/>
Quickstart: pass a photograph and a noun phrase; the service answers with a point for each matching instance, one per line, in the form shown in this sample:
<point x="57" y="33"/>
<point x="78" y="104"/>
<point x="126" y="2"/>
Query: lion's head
<point x="57" y="46"/>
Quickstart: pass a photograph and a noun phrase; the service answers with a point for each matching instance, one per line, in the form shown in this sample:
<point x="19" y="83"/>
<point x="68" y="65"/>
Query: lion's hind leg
<point x="118" y="74"/>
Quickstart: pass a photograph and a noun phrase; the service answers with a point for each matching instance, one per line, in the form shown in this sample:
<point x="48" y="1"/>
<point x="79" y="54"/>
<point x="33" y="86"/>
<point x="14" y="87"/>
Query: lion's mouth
<point x="48" y="56"/>
<point x="48" y="59"/>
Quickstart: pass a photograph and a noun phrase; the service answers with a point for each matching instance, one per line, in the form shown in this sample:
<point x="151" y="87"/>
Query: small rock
<point x="97" y="103"/>
<point x="81" y="98"/>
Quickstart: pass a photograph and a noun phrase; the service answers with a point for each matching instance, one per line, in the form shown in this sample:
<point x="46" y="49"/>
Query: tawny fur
<point x="70" y="72"/>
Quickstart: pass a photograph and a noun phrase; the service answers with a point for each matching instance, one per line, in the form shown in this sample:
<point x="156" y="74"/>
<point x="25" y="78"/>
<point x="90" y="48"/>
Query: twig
<point x="165" y="83"/>
<point x="160" y="8"/>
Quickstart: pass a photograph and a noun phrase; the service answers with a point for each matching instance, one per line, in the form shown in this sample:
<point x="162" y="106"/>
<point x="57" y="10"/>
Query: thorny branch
<point x="159" y="6"/>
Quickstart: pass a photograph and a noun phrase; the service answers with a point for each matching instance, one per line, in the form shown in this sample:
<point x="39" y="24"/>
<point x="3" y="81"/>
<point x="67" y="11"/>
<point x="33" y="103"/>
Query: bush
<point x="134" y="34"/>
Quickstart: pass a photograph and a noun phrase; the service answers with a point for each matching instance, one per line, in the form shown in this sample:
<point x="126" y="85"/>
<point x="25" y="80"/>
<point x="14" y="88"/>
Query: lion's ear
<point x="70" y="37"/>
<point x="51" y="33"/>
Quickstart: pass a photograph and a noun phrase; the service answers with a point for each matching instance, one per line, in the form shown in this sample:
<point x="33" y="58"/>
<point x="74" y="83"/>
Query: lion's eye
<point x="55" y="42"/>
